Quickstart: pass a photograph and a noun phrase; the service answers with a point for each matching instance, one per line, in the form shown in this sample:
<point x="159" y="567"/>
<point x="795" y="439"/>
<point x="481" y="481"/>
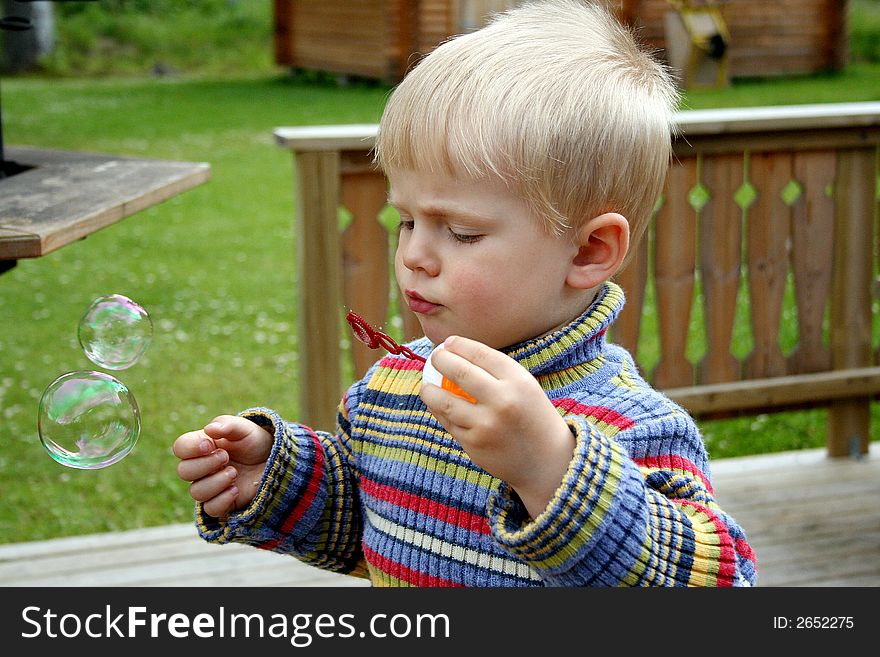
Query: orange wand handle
<point x="431" y="375"/>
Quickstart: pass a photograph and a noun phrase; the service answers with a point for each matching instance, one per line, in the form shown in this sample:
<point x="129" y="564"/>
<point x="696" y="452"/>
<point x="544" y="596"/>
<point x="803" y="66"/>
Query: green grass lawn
<point x="213" y="266"/>
<point x="215" y="269"/>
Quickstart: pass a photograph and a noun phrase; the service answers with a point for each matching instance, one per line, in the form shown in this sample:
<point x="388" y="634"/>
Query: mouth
<point x="418" y="304"/>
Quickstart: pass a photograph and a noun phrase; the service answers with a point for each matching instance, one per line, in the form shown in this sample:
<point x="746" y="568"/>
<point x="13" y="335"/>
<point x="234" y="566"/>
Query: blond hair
<point x="557" y="98"/>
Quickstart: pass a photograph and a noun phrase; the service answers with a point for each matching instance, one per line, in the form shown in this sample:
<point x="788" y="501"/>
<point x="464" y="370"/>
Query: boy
<point x="522" y="159"/>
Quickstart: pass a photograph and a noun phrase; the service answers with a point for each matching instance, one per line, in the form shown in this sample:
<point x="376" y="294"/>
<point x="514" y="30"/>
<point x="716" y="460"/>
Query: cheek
<point x="481" y="286"/>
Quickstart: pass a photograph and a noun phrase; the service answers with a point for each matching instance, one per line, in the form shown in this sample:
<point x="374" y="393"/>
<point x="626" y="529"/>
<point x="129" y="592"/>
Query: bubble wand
<point x="375" y="338"/>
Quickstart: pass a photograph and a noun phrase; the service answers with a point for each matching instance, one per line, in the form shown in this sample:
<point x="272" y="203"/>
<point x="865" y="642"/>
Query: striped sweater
<point x="391" y="496"/>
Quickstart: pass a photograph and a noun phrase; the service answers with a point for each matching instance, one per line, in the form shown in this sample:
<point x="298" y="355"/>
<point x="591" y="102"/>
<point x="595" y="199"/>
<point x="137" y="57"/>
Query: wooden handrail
<point x="743" y="120"/>
<point x="761" y="205"/>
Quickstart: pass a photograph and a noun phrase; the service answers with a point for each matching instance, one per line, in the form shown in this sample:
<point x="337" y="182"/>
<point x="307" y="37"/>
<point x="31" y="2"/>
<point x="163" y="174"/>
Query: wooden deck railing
<point x="755" y="282"/>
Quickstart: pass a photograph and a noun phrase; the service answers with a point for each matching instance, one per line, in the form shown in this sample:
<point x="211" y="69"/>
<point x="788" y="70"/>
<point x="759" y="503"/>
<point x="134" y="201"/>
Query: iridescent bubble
<point x="88" y="420"/>
<point x="114" y="332"/>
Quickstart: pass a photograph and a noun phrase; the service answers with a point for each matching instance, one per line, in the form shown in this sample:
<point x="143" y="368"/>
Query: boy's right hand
<point x="225" y="462"/>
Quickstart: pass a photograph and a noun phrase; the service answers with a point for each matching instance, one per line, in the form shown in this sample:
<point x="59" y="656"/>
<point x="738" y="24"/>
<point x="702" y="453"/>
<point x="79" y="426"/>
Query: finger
<point x="491" y="361"/>
<point x="246" y="441"/>
<point x="202" y="466"/>
<point x="450" y="410"/>
<point x="233" y="428"/>
<point x="211" y="486"/>
<point x="223" y="504"/>
<point x="470" y="377"/>
<point x="229" y="427"/>
<point x="193" y="444"/>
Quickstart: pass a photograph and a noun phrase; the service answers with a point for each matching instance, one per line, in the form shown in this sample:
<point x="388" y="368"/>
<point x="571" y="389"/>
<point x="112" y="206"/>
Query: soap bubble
<point x="88" y="420"/>
<point x="114" y="332"/>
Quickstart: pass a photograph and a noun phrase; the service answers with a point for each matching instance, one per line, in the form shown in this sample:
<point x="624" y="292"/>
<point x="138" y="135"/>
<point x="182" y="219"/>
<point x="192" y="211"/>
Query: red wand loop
<point x="375" y="339"/>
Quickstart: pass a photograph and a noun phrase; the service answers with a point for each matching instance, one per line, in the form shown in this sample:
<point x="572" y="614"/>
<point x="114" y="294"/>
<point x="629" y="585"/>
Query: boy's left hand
<point x="512" y="430"/>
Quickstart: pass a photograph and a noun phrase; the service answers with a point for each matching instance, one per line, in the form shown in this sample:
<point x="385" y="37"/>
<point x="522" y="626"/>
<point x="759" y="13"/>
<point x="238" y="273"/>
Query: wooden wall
<point x="382" y="38"/>
<point x="367" y="38"/>
<point x="436" y="21"/>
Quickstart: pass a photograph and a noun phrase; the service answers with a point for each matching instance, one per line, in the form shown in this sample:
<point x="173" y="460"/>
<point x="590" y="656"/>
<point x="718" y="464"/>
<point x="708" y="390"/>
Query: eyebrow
<point x="440" y="211"/>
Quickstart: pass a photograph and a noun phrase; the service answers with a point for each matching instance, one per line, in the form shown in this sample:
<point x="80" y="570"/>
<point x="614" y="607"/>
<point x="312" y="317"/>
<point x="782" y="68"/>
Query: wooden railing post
<point x="319" y="165"/>
<point x="319" y="271"/>
<point x="720" y="264"/>
<point x="769" y="239"/>
<point x="851" y="318"/>
<point x="674" y="275"/>
<point x="811" y="249"/>
<point x="365" y="250"/>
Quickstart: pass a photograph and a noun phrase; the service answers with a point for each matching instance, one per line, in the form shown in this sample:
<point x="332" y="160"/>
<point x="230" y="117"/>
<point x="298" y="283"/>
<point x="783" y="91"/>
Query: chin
<point x="436" y="337"/>
<point x="436" y="334"/>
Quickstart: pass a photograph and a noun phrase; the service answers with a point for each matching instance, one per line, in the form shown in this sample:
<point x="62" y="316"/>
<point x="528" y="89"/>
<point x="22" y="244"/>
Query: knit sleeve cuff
<point x="586" y="506"/>
<point x="289" y="498"/>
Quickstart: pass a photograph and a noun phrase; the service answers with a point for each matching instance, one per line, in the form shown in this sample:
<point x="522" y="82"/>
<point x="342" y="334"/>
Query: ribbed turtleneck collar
<point x="577" y="343"/>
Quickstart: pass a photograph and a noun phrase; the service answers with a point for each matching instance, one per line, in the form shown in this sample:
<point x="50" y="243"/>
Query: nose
<point x="417" y="251"/>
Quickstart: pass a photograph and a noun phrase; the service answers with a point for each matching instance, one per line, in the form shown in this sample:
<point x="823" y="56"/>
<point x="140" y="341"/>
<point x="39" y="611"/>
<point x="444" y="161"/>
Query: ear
<point x="602" y="246"/>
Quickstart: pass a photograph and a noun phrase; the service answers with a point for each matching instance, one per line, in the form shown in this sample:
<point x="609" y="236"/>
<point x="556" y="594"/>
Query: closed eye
<point x="464" y="238"/>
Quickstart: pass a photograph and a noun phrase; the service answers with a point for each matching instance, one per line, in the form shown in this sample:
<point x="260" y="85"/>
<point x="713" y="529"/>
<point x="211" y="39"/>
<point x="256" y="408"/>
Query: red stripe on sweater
<point x="675" y="462"/>
<point x="307" y="498"/>
<point x="744" y="549"/>
<point x="401" y="572"/>
<point x="727" y="559"/>
<point x="398" y="363"/>
<point x="598" y="413"/>
<point x="426" y="506"/>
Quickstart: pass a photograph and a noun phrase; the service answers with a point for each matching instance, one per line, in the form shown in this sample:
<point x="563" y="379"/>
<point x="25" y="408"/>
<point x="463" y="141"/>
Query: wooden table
<point x="63" y="196"/>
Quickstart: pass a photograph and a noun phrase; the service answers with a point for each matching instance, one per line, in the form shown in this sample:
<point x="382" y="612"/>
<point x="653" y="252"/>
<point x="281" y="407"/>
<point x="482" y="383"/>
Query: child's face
<point x="473" y="260"/>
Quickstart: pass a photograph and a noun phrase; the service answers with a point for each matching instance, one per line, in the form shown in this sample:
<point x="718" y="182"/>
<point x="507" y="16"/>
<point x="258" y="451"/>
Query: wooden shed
<point x="381" y="39"/>
<point x="778" y="37"/>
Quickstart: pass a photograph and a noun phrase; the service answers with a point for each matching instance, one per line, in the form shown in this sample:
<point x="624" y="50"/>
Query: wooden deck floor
<point x="812" y="521"/>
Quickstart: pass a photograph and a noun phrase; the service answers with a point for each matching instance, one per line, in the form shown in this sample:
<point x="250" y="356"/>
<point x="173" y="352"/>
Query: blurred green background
<point x="215" y="265"/>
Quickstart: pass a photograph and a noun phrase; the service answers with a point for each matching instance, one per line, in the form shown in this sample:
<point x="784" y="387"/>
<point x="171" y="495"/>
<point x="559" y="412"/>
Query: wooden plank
<point x="769" y="233"/>
<point x="365" y="258"/>
<point x="156" y="556"/>
<point x="720" y="263"/>
<point x="812" y="250"/>
<point x="402" y="27"/>
<point x="319" y="269"/>
<point x="838" y="484"/>
<point x="834" y="478"/>
<point x="782" y="64"/>
<point x="436" y="23"/>
<point x="65" y="196"/>
<point x="814" y="116"/>
<point x="348" y="137"/>
<point x="820" y="569"/>
<point x="778" y="392"/>
<point x="792" y="123"/>
<point x="351" y="38"/>
<point x="812" y="520"/>
<point x="782" y="140"/>
<point x="674" y="275"/>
